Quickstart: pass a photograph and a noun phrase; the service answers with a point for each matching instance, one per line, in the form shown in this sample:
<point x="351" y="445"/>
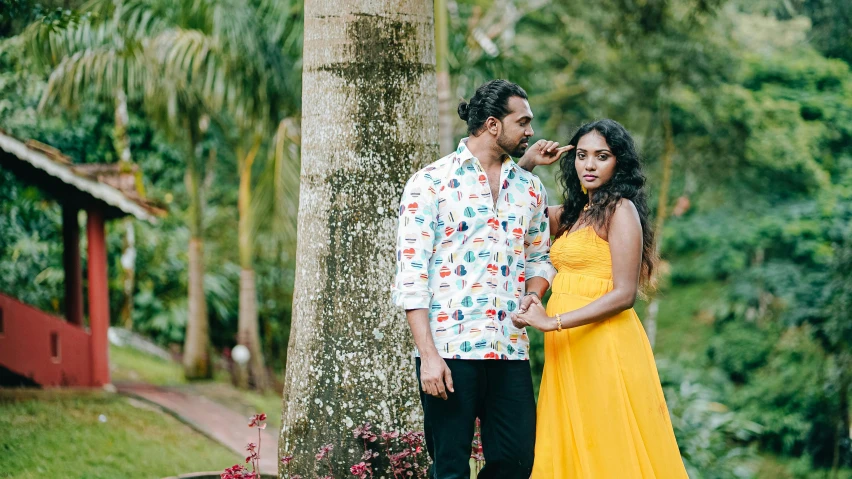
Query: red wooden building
<point x="73" y="351"/>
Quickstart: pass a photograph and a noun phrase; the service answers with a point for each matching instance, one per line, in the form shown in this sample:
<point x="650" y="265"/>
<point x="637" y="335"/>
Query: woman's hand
<point x="535" y="316"/>
<point x="542" y="153"/>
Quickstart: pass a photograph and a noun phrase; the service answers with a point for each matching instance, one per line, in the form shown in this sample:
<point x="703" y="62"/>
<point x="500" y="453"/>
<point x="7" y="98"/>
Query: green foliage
<point x="740" y="348"/>
<point x="789" y="399"/>
<point x="714" y="440"/>
<point x="31" y="245"/>
<point x="85" y="133"/>
<point x="782" y="332"/>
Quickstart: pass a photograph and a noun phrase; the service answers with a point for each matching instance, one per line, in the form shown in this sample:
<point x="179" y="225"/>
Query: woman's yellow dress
<point x="601" y="410"/>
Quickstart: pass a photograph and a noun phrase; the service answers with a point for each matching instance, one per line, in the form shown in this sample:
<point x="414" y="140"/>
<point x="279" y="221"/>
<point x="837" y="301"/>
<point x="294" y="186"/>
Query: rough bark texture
<point x="369" y="120"/>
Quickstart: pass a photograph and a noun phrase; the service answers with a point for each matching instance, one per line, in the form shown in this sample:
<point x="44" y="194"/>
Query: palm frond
<point x="275" y="203"/>
<point x="100" y="71"/>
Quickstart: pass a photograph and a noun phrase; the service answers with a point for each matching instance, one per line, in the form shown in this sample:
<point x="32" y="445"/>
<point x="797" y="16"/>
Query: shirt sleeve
<point x="537" y="240"/>
<point x="415" y="243"/>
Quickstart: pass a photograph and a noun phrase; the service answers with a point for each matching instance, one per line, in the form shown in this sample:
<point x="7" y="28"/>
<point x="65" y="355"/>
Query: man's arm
<point x="539" y="271"/>
<point x="434" y="372"/>
<point x="543" y="153"/>
<point x="415" y="240"/>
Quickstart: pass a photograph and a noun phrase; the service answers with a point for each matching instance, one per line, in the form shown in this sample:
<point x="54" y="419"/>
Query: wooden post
<point x="98" y="297"/>
<point x="71" y="265"/>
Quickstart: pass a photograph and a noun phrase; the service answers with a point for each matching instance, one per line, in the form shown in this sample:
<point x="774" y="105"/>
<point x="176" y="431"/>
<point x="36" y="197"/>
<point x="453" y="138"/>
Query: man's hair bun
<point x="464" y="110"/>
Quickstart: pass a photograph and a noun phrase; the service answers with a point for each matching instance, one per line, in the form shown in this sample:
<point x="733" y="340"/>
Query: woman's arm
<point x="625" y="244"/>
<point x="553" y="215"/>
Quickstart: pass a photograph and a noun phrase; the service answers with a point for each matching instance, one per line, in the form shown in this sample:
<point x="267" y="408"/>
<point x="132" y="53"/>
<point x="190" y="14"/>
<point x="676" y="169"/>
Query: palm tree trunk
<point x="128" y="266"/>
<point x="446" y="114"/>
<point x="248" y="329"/>
<point x="369" y="119"/>
<point x="666" y="183"/>
<point x="196" y="356"/>
<point x="128" y="255"/>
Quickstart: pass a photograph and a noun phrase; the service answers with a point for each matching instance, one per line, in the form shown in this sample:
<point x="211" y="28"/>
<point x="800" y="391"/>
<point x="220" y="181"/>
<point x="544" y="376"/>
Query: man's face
<point x="515" y="135"/>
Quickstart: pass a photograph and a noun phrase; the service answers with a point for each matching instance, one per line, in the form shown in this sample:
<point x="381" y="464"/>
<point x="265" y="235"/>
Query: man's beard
<point x="515" y="150"/>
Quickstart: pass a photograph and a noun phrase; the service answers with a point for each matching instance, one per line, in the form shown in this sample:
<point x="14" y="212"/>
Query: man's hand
<point x="542" y="153"/>
<point x="528" y="300"/>
<point x="434" y="374"/>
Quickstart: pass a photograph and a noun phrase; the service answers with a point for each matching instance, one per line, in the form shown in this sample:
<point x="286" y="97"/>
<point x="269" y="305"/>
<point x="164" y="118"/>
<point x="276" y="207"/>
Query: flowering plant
<point x="239" y="471"/>
<point x="403" y="451"/>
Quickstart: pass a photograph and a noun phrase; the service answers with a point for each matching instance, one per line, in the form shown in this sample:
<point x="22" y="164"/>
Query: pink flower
<point x="286" y="460"/>
<point x="255" y="421"/>
<point x="235" y="472"/>
<point x="361" y="470"/>
<point x="323" y="451"/>
<point x="412" y="439"/>
<point x="369" y="455"/>
<point x="362" y="431"/>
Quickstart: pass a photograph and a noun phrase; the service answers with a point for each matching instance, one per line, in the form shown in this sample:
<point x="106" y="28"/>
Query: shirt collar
<point x="464" y="154"/>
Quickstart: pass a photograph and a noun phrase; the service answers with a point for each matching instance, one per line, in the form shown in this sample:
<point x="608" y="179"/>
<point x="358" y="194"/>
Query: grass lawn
<point x="130" y="365"/>
<point x="58" y="434"/>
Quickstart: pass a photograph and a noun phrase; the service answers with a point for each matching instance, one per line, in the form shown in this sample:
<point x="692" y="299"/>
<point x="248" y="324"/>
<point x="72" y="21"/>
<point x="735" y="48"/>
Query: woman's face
<point x="594" y="162"/>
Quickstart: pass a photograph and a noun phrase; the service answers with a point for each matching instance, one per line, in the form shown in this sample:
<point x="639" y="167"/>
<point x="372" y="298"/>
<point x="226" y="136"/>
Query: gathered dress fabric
<point x="601" y="410"/>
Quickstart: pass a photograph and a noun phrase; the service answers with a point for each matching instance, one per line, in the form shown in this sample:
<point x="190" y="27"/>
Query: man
<point x="473" y="242"/>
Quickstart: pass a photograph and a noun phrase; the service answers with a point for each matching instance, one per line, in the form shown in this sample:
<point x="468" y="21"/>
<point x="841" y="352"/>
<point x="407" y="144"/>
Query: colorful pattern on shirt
<point x="467" y="260"/>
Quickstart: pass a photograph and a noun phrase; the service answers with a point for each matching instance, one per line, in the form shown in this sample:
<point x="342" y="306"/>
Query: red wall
<point x="26" y="349"/>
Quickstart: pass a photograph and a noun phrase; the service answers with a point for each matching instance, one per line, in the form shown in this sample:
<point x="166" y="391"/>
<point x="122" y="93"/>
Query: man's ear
<point x="493" y="126"/>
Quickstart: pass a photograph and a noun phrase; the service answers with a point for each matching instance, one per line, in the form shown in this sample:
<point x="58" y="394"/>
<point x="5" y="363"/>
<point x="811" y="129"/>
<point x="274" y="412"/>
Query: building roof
<point x="81" y="186"/>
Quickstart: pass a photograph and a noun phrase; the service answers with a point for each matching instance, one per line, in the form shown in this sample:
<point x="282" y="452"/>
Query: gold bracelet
<point x="558" y="322"/>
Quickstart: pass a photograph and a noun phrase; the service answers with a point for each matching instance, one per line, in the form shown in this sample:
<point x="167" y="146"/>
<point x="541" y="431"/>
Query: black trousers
<point x="500" y="394"/>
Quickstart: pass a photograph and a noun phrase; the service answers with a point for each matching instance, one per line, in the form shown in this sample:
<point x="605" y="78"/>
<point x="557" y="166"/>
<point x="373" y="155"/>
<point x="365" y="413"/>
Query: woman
<point x="601" y="410"/>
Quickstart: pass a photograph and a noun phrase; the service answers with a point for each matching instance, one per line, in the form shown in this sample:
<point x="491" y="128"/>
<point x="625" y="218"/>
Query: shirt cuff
<point x="412" y="299"/>
<point x="546" y="271"/>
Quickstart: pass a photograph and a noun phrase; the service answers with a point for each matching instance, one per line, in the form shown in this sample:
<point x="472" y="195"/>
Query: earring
<point x="585" y="191"/>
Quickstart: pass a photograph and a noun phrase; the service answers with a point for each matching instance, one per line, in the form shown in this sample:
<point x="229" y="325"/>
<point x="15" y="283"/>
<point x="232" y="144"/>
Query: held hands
<point x="542" y="153"/>
<point x="534" y="315"/>
<point x="528" y="300"/>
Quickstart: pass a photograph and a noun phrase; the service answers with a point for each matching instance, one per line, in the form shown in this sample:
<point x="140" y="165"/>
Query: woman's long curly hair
<point x="628" y="182"/>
